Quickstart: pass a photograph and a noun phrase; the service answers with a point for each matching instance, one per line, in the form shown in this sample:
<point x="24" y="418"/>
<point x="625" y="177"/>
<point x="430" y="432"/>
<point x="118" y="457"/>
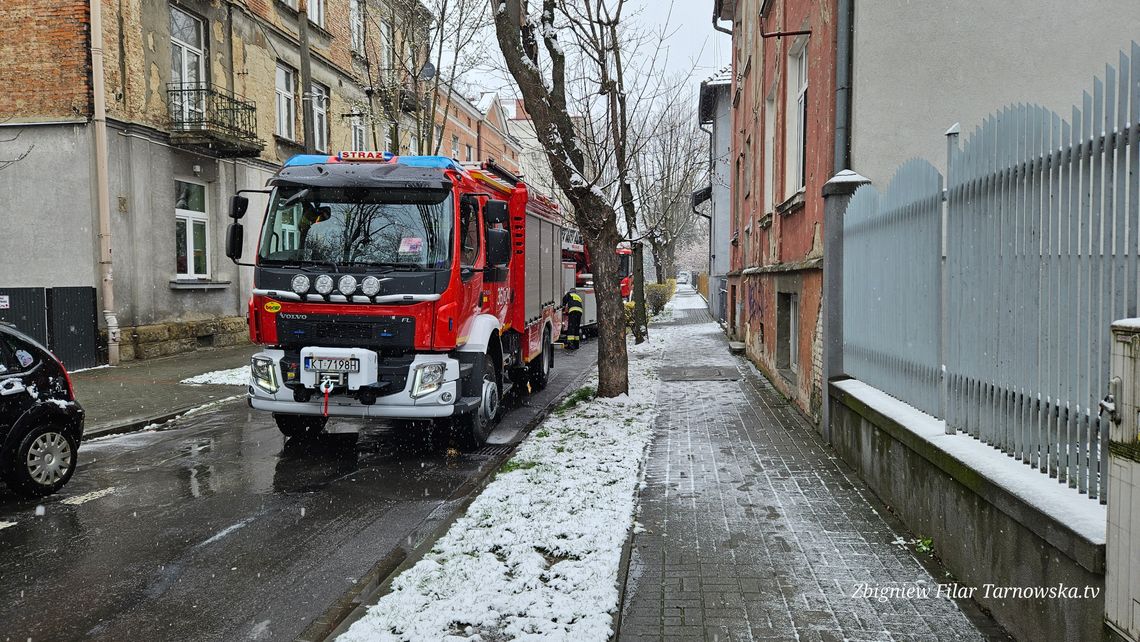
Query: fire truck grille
<point x="346" y="331"/>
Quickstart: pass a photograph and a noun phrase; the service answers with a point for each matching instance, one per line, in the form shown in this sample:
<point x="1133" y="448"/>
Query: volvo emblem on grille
<point x="297" y="317"/>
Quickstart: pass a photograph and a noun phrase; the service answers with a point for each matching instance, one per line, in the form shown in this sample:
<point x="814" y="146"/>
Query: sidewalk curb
<point x="162" y="418"/>
<point x="369" y="589"/>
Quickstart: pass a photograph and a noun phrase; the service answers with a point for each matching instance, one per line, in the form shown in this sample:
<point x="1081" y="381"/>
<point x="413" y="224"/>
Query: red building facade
<point x="783" y="134"/>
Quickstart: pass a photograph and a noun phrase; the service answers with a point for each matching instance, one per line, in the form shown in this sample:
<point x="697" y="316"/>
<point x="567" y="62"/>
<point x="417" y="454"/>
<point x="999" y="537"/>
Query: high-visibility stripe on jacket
<point x="575" y="303"/>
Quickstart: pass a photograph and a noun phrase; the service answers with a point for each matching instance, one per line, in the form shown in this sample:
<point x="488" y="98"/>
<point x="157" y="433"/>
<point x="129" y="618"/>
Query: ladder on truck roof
<point x="500" y="177"/>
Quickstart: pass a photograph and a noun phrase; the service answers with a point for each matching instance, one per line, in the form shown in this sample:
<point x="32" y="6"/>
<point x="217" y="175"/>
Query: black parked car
<point x="41" y="423"/>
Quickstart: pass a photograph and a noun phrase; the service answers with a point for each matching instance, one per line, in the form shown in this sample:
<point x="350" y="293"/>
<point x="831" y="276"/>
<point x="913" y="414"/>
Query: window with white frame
<point x="320" y="102"/>
<point x="455" y="147"/>
<point x="470" y="154"/>
<point x="356" y="24"/>
<point x="795" y="128"/>
<point x="387" y="42"/>
<point x="286" y="102"/>
<point x="188" y="52"/>
<point x="359" y="135"/>
<point x="316" y="10"/>
<point x="191" y="231"/>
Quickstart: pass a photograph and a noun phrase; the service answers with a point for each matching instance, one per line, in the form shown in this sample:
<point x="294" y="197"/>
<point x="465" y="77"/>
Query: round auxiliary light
<point x="370" y="286"/>
<point x="324" y="284"/>
<point x="301" y="284"/>
<point x="347" y="284"/>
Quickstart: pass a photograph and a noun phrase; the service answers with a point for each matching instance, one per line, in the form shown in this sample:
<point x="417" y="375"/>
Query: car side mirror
<point x="495" y="212"/>
<point x="235" y="236"/>
<point x="498" y="248"/>
<point x="238" y="206"/>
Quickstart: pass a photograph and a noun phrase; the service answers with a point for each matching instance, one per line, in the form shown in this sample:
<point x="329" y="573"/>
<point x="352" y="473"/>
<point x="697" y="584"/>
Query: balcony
<point x="212" y="120"/>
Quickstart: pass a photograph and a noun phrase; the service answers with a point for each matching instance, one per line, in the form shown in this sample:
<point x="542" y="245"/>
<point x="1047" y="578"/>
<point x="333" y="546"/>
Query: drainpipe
<point x="102" y="182"/>
<point x="843" y="64"/>
<point x="307" y="125"/>
<point x="715" y="16"/>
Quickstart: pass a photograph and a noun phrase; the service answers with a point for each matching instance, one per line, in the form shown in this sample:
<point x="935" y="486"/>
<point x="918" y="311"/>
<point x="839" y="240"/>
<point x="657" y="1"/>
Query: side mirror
<point x="235" y="235"/>
<point x="495" y="212"/>
<point x="498" y="248"/>
<point x="238" y="205"/>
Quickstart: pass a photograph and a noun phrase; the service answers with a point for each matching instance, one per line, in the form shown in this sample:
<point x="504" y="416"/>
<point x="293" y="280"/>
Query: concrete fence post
<point x="1122" y="549"/>
<point x="836" y="195"/>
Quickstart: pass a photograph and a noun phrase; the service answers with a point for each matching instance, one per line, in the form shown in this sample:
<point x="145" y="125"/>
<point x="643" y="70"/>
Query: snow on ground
<point x="536" y="556"/>
<point x="233" y="377"/>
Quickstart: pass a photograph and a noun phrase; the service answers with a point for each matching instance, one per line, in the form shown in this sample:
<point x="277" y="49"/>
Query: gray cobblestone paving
<point x="755" y="530"/>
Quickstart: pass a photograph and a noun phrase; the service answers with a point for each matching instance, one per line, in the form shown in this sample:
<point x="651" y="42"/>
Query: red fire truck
<point x="409" y="287"/>
<point x="578" y="273"/>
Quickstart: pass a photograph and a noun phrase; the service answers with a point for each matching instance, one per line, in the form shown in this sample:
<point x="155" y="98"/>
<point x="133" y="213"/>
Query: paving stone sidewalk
<point x="755" y="530"/>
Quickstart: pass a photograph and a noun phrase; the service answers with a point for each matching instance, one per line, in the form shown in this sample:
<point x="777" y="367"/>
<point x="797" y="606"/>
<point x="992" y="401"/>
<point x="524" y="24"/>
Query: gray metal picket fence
<point x="1040" y="227"/>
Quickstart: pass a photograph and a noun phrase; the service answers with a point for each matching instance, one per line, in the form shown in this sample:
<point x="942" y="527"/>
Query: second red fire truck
<point x="402" y="287"/>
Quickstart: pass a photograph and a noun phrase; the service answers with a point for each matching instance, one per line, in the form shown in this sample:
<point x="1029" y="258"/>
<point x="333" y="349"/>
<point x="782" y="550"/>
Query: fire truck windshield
<point x="410" y="229"/>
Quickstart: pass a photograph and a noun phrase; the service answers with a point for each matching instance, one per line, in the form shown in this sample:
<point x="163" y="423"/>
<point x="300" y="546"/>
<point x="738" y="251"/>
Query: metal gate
<point x="64" y="319"/>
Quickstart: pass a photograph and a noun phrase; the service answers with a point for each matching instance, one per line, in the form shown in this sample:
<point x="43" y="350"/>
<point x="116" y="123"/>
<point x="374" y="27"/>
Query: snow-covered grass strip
<point x="233" y="377"/>
<point x="537" y="554"/>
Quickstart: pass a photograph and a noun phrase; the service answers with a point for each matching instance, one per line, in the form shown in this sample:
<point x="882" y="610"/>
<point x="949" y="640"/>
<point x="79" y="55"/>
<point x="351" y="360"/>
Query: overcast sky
<point x="692" y="46"/>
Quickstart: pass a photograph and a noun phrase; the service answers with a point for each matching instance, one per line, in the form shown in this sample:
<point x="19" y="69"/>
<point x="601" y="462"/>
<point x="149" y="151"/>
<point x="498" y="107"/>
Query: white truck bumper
<point x="439" y="402"/>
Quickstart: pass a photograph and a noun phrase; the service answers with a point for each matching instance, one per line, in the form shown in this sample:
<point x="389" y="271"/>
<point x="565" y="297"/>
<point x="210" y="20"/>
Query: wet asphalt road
<point x="214" y="529"/>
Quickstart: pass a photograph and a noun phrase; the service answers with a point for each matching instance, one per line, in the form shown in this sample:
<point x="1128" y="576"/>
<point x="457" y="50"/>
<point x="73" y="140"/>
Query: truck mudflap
<point x="353" y="396"/>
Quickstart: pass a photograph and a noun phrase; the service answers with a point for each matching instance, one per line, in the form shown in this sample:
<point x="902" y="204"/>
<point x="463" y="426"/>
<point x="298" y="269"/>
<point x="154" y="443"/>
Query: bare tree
<point x="416" y="53"/>
<point x="543" y="82"/>
<point x="668" y="170"/>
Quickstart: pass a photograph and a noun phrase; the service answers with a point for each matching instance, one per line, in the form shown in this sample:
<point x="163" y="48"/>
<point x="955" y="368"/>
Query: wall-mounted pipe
<point x="103" y="182"/>
<point x="843" y="62"/>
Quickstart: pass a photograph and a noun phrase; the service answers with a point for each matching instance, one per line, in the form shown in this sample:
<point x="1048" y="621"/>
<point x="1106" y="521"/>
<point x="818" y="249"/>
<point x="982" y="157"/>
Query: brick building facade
<point x="783" y="109"/>
<point x="203" y="98"/>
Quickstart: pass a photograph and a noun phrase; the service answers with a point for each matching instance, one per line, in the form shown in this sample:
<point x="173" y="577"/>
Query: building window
<point x="796" y="125"/>
<point x="770" y="152"/>
<point x="787" y="331"/>
<point x="317" y="12"/>
<point x="413" y="145"/>
<point x="386" y="44"/>
<point x="455" y="147"/>
<point x="286" y="103"/>
<point x="356" y="24"/>
<point x="188" y="47"/>
<point x="359" y="135"/>
<point x="320" y="99"/>
<point x="191" y="231"/>
<point x="470" y="154"/>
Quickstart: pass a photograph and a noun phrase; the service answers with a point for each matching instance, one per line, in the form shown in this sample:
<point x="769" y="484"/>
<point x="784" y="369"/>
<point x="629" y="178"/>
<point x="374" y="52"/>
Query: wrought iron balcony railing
<point x="214" y="119"/>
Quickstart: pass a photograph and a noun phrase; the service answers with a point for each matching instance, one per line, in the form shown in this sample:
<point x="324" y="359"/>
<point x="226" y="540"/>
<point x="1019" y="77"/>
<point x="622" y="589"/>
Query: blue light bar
<point x="301" y="160"/>
<point x="439" y="162"/>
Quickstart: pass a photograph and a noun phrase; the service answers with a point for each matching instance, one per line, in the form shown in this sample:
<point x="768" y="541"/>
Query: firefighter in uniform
<point x="572" y="303"/>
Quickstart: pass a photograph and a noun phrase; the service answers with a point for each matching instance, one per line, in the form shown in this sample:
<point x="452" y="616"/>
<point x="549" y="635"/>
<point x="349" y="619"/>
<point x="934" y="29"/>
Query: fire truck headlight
<point x="324" y="284"/>
<point x="264" y="374"/>
<point x="370" y="286"/>
<point x="301" y="284"/>
<point x="429" y="377"/>
<point x="347" y="284"/>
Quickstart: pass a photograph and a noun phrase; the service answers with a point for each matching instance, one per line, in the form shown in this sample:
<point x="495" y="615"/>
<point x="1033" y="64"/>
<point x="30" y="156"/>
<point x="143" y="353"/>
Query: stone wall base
<point x="163" y="339"/>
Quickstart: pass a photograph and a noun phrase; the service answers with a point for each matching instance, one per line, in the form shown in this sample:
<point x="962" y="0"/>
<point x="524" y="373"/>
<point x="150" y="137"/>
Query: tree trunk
<point x="640" y="317"/>
<point x="613" y="377"/>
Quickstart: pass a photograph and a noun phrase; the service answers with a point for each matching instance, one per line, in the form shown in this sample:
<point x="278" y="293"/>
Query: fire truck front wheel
<point x="300" y="426"/>
<point x="473" y="428"/>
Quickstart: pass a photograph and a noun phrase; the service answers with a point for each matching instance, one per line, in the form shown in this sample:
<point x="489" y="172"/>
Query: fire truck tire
<point x="300" y="426"/>
<point x="472" y="429"/>
<point x="540" y="368"/>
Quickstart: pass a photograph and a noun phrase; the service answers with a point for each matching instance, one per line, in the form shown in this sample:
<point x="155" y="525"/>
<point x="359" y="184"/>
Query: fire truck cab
<point x="402" y="287"/>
